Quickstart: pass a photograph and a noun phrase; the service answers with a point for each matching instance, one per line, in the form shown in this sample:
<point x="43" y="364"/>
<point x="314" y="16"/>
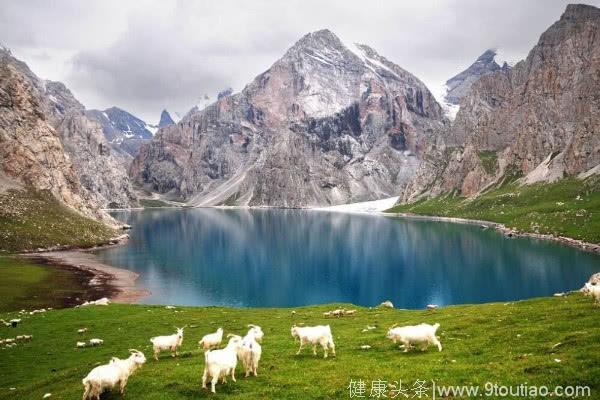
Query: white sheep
<point x="592" y="290"/>
<point x="320" y="334"/>
<point x="211" y="340"/>
<point x="108" y="376"/>
<point x="96" y="342"/>
<point x="423" y="334"/>
<point x="82" y="330"/>
<point x="81" y="344"/>
<point x="170" y="342"/>
<point x="220" y="363"/>
<point x="250" y="351"/>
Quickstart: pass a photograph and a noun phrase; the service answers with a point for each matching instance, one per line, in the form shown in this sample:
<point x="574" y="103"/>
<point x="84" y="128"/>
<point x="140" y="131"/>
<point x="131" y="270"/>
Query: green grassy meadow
<point x="24" y="284"/>
<point x="30" y="219"/>
<point x="506" y="343"/>
<point x="569" y="207"/>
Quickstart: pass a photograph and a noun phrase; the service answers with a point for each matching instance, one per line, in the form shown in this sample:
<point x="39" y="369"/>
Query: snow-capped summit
<point x="327" y="123"/>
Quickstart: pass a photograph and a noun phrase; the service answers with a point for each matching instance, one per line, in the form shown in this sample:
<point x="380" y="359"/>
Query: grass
<point x="569" y="207"/>
<point x="506" y="343"/>
<point x="153" y="203"/>
<point x="30" y="219"/>
<point x="489" y="160"/>
<point x="31" y="286"/>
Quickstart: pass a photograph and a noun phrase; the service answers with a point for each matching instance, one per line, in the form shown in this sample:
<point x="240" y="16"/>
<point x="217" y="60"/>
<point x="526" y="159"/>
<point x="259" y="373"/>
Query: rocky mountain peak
<point x="327" y="123"/>
<point x="459" y="85"/>
<point x="165" y="119"/>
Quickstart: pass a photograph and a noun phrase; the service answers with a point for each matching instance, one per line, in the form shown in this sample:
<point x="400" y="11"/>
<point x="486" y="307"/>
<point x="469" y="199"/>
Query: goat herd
<point x="221" y="363"/>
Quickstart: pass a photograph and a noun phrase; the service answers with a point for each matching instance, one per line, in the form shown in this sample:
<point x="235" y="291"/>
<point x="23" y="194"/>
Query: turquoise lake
<point x="280" y="258"/>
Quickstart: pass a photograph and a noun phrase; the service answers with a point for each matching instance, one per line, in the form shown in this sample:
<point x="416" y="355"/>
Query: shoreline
<point x="579" y="244"/>
<point x="118" y="284"/>
<point x="503" y="229"/>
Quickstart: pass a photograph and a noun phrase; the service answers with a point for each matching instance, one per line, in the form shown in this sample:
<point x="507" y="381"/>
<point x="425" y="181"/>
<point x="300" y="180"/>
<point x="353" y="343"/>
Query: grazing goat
<point x="387" y="304"/>
<point x="100" y="302"/>
<point x="256" y="331"/>
<point x="96" y="342"/>
<point x="250" y="351"/>
<point x="314" y="335"/>
<point x="220" y="363"/>
<point x="107" y="376"/>
<point x="171" y="342"/>
<point x="211" y="340"/>
<point x="81" y="344"/>
<point x="422" y="333"/>
<point x="592" y="290"/>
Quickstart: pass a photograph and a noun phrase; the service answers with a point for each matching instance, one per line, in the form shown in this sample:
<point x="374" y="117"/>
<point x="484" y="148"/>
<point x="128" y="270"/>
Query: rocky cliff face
<point x="48" y="143"/>
<point x="540" y="119"/>
<point x="165" y="119"/>
<point x="459" y="85"/>
<point x="326" y="124"/>
<point x="124" y="132"/>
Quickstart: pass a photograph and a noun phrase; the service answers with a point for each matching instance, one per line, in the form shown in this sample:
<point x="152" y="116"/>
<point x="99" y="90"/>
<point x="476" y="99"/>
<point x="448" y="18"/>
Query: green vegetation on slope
<point x="27" y="285"/>
<point x="154" y="203"/>
<point x="30" y="219"/>
<point x="569" y="207"/>
<point x="489" y="160"/>
<point x="506" y="343"/>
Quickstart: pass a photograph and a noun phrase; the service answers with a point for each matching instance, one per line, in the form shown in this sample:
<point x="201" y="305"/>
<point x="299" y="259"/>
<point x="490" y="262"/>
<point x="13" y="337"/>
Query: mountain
<point x="124" y="131"/>
<point x="224" y="93"/>
<point x="325" y="124"/>
<point x="48" y="143"/>
<point x="165" y="119"/>
<point x="538" y="120"/>
<point x="459" y="85"/>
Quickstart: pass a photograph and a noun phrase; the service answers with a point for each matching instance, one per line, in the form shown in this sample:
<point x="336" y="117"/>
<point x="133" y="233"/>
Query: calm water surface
<point x="271" y="258"/>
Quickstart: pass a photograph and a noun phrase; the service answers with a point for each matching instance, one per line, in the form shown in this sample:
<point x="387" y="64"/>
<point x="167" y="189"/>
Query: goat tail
<point x="87" y="388"/>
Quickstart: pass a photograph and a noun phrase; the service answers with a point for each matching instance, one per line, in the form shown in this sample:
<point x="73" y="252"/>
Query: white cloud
<point x="146" y="55"/>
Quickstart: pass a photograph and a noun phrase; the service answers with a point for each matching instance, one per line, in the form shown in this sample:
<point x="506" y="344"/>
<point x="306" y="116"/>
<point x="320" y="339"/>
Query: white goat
<point x="592" y="290"/>
<point x="211" y="340"/>
<point x="422" y="333"/>
<point x="100" y="302"/>
<point x="251" y="351"/>
<point x="96" y="342"/>
<point x="220" y="363"/>
<point x="170" y="342"/>
<point x="81" y="344"/>
<point x="107" y="376"/>
<point x="256" y="331"/>
<point x="320" y="334"/>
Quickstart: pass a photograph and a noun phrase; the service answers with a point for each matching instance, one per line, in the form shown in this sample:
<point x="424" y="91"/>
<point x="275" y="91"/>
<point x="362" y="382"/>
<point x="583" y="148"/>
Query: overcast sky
<point x="144" y="56"/>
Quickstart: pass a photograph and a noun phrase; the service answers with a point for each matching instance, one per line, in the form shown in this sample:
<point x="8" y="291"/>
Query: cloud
<point x="146" y="55"/>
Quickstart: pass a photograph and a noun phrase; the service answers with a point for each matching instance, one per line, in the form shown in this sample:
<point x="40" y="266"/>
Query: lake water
<point x="274" y="257"/>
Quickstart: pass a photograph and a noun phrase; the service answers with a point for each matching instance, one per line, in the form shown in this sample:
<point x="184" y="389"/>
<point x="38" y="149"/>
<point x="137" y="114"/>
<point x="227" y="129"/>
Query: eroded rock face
<point x="326" y="124"/>
<point x="460" y="84"/>
<point x="540" y="119"/>
<point x="48" y="143"/>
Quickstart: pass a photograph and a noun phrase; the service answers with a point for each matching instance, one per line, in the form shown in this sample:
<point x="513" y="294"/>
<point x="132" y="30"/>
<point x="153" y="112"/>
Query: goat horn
<point x="251" y="326"/>
<point x="134" y="351"/>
